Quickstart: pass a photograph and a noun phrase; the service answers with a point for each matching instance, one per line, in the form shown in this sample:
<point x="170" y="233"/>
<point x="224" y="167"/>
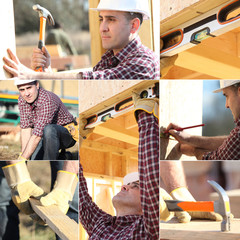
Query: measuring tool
<point x="121" y="107"/>
<point x="211" y="24"/>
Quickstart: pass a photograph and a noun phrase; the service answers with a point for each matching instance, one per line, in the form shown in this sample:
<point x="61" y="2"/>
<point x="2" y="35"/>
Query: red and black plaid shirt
<point x="230" y="149"/>
<point x="102" y="226"/>
<point x="46" y="109"/>
<point x="135" y="61"/>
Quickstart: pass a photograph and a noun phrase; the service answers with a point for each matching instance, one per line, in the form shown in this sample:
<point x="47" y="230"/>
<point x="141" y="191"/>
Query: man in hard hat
<point x="126" y="57"/>
<point x="219" y="147"/>
<point x="137" y="204"/>
<point x="46" y="125"/>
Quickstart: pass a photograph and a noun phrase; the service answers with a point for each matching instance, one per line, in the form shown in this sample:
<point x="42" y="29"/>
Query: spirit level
<point x="211" y="24"/>
<point x="121" y="107"/>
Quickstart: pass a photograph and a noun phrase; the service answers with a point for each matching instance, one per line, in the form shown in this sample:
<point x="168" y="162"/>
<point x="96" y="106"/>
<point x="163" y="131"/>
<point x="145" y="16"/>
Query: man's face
<point x="232" y="101"/>
<point x="115" y="30"/>
<point x="128" y="198"/>
<point x="29" y="92"/>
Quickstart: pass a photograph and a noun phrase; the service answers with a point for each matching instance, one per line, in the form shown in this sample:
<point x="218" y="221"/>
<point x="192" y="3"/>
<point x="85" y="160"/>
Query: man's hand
<point x="165" y="215"/>
<point x="41" y="58"/>
<point x="62" y="192"/>
<point x="22" y="187"/>
<point x="84" y="132"/>
<point x="14" y="66"/>
<point x="149" y="105"/>
<point x="181" y="136"/>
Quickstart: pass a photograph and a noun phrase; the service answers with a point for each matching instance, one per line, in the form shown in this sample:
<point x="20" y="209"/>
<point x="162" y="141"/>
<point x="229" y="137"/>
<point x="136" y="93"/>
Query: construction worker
<point x="46" y="125"/>
<point x="126" y="57"/>
<point x="219" y="147"/>
<point x="137" y="204"/>
<point x="22" y="188"/>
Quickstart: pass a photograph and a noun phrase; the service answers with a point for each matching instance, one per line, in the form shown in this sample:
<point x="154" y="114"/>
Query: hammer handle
<point x="201" y="206"/>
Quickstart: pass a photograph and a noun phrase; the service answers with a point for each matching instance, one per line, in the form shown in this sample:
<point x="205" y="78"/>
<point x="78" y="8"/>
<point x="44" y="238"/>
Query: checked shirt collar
<point x="112" y="60"/>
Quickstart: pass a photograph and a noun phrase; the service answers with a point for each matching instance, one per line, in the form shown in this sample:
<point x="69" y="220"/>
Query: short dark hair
<point x="132" y="15"/>
<point x="235" y="87"/>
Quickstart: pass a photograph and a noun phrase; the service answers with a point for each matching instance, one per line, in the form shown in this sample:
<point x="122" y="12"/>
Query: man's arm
<point x="172" y="174"/>
<point x="31" y="146"/>
<point x="206" y="143"/>
<point x="148" y="167"/>
<point x="71" y="166"/>
<point x="25" y="136"/>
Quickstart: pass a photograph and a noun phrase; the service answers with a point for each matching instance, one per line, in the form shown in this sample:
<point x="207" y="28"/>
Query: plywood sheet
<point x="199" y="229"/>
<point x="7" y="33"/>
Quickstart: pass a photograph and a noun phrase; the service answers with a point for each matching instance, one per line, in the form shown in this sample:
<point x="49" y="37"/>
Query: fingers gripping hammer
<point x="44" y="15"/>
<point x="221" y="206"/>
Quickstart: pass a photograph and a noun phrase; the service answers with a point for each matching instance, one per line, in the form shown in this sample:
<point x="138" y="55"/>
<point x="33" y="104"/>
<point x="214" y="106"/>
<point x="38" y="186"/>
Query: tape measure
<point x="211" y="24"/>
<point x="121" y="107"/>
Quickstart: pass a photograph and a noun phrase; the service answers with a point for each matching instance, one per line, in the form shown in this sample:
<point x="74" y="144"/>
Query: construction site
<point x="105" y="182"/>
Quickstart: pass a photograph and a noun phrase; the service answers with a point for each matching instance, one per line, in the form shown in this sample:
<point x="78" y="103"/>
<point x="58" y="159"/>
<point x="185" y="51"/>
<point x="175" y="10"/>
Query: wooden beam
<point x="199" y="229"/>
<point x="109" y="129"/>
<point x="210" y="61"/>
<point x="61" y="224"/>
<point x="102" y="147"/>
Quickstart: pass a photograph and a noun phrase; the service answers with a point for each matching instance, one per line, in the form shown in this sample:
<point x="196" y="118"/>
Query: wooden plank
<point x="102" y="147"/>
<point x="98" y="95"/>
<point x="61" y="224"/>
<point x="210" y="61"/>
<point x="199" y="229"/>
<point x="177" y="107"/>
<point x="8" y="33"/>
<point x="109" y="129"/>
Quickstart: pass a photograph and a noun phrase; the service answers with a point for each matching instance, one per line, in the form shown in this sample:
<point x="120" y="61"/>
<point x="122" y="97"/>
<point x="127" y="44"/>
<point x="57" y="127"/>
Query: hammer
<point x="221" y="206"/>
<point x="43" y="14"/>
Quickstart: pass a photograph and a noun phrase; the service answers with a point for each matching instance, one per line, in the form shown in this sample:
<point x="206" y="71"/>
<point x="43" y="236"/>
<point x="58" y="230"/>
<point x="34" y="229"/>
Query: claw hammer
<point x="44" y="15"/>
<point x="220" y="206"/>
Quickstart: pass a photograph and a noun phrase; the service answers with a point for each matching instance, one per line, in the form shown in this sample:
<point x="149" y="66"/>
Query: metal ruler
<point x="211" y="24"/>
<point x="121" y="107"/>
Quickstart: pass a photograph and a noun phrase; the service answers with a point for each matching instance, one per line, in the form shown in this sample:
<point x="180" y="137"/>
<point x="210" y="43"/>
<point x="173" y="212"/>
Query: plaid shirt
<point x="46" y="109"/>
<point x="230" y="149"/>
<point x="135" y="61"/>
<point x="102" y="226"/>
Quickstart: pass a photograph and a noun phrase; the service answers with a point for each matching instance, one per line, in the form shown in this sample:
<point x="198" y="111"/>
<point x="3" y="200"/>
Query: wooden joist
<point x="199" y="229"/>
<point x="61" y="224"/>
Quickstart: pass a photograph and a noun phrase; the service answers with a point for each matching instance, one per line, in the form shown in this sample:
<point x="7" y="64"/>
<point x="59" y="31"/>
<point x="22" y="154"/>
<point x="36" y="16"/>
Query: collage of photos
<point x="120" y="120"/>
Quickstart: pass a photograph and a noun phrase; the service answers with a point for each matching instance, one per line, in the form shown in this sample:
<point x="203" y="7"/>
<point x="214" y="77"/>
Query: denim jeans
<point x="55" y="137"/>
<point x="9" y="221"/>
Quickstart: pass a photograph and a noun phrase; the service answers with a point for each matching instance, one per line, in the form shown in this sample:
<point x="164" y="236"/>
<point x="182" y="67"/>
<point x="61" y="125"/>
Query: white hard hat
<point x="20" y="82"/>
<point x="225" y="84"/>
<point x="138" y="6"/>
<point x="131" y="177"/>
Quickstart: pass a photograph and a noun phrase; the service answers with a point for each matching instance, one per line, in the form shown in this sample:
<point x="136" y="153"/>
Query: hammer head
<point x="222" y="206"/>
<point x="43" y="12"/>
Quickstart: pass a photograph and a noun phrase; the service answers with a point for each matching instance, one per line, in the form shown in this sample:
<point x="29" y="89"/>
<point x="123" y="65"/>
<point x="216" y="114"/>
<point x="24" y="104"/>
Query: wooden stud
<point x="61" y="224"/>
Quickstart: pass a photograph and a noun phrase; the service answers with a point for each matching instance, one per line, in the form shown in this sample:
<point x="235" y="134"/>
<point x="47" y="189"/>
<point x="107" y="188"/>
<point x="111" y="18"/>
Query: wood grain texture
<point x="61" y="224"/>
<point x="177" y="106"/>
<point x="199" y="229"/>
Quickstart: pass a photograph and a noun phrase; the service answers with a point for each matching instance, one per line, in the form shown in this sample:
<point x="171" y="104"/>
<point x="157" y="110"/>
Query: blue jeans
<point x="9" y="221"/>
<point x="55" y="137"/>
